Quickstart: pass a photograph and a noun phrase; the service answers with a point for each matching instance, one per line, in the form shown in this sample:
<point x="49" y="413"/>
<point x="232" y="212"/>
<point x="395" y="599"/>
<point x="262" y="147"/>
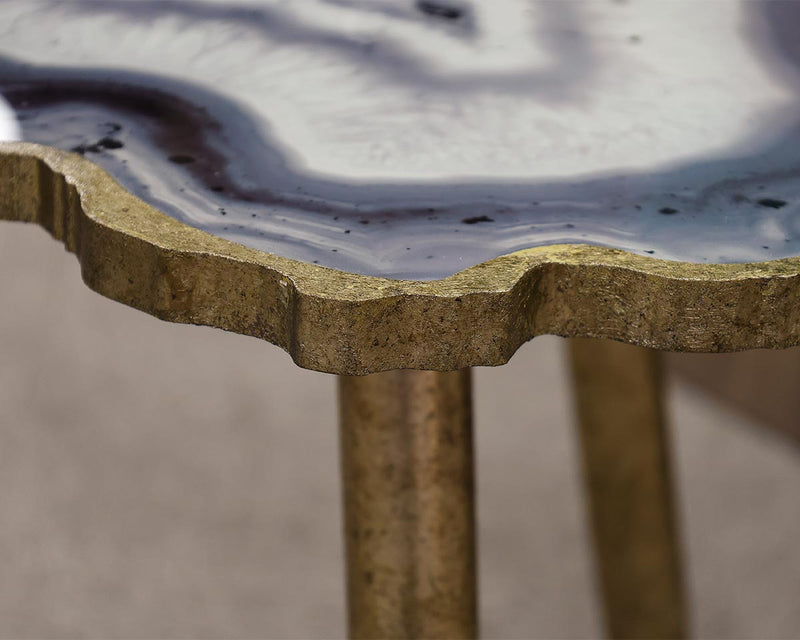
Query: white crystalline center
<point x="373" y="90"/>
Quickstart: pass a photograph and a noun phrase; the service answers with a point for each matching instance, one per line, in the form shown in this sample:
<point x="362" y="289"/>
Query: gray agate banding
<point x="412" y="140"/>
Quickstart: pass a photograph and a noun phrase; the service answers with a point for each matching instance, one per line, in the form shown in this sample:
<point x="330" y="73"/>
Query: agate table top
<point x="412" y="139"/>
<point x="378" y="184"/>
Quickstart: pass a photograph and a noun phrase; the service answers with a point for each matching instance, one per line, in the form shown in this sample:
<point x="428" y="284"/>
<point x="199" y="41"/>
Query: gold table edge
<point x="351" y="324"/>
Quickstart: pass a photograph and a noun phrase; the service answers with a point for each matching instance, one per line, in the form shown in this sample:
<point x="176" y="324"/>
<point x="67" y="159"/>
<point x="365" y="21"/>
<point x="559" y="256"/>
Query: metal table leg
<point x="627" y="472"/>
<point x="406" y="443"/>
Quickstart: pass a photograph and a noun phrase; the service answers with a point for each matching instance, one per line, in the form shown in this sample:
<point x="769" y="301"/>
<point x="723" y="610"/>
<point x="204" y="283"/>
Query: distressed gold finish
<point x="351" y="324"/>
<point x="409" y="514"/>
<point x="626" y="465"/>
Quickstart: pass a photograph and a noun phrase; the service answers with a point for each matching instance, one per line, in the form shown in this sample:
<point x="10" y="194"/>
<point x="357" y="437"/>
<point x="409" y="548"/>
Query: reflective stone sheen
<point x="414" y="139"/>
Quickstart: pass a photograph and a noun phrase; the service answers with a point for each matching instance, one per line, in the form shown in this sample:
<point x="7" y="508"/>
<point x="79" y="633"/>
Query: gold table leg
<point x="627" y="474"/>
<point x="406" y="443"/>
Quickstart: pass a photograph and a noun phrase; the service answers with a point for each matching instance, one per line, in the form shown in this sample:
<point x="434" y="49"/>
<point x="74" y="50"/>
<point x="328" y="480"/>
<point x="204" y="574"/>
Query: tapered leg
<point x="406" y="444"/>
<point x="627" y="473"/>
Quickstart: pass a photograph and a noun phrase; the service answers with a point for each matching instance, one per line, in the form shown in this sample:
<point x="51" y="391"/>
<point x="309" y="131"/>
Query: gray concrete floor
<point x="166" y="481"/>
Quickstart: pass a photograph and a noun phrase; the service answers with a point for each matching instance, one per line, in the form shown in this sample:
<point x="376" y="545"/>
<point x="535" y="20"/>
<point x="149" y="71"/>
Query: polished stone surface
<point x="413" y="139"/>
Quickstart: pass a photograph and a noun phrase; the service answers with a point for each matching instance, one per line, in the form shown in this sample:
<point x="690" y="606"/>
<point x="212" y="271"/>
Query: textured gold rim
<point x="350" y="324"/>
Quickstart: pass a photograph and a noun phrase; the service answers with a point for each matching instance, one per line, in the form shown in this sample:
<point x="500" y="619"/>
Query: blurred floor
<point x="166" y="481"/>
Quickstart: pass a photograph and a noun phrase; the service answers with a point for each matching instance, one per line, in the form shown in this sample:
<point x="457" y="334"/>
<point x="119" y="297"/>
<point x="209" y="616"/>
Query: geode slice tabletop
<point x="382" y="184"/>
<point x="414" y="139"/>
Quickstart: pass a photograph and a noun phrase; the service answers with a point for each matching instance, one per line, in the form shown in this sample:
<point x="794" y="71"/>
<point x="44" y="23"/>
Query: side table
<point x="406" y="434"/>
<point x="576" y="217"/>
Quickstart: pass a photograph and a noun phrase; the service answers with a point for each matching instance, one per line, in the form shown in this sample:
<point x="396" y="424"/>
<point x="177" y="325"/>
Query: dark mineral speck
<point x="181" y="159"/>
<point x="477" y="219"/>
<point x="103" y="143"/>
<point x="109" y="143"/>
<point x="440" y="9"/>
<point x="772" y="203"/>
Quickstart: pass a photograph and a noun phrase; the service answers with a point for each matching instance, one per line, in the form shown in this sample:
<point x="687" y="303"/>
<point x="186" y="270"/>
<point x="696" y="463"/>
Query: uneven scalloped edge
<point x="343" y="323"/>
